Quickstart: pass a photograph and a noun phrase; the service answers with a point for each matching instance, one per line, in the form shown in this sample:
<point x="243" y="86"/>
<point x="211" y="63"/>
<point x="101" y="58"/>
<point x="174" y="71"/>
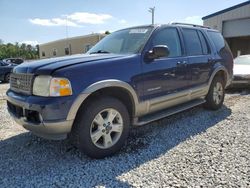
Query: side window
<point x="217" y="39"/>
<point x="54" y="52"/>
<point x="66" y="50"/>
<point x="192" y="42"/>
<point x="204" y="44"/>
<point x="170" y="38"/>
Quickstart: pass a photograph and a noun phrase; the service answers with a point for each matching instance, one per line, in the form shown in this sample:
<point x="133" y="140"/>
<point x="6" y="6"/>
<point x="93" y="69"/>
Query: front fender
<point x="97" y="86"/>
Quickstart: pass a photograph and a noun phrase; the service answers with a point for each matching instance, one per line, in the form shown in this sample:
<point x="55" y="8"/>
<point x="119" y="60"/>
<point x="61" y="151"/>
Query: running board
<point x="168" y="112"/>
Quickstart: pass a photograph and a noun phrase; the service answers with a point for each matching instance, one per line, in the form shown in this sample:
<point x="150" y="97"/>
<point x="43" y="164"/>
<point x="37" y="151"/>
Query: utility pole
<point x="67" y="36"/>
<point x="152" y="11"/>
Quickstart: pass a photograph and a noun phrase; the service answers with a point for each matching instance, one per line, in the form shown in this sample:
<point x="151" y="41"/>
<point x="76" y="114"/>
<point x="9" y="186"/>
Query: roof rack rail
<point x="194" y="25"/>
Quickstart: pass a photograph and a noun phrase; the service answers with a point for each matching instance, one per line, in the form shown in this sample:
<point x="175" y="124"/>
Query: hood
<point x="47" y="66"/>
<point x="241" y="69"/>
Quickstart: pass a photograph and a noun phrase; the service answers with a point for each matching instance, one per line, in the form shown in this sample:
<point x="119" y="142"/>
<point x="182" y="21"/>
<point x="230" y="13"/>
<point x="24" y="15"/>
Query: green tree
<point x="107" y="32"/>
<point x="25" y="51"/>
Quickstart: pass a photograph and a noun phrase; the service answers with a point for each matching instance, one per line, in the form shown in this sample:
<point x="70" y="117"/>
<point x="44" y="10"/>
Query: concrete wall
<point x="216" y="22"/>
<point x="75" y="45"/>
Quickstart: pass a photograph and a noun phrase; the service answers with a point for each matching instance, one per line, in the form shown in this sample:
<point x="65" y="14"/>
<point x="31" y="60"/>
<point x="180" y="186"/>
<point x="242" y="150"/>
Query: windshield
<point x="127" y="41"/>
<point x="242" y="60"/>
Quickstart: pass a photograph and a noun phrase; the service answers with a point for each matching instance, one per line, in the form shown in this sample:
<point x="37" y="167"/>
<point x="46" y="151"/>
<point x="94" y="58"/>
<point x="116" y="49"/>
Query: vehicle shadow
<point x="28" y="160"/>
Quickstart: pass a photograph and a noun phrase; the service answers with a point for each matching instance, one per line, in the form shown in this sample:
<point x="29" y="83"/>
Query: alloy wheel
<point x="218" y="93"/>
<point x="106" y="128"/>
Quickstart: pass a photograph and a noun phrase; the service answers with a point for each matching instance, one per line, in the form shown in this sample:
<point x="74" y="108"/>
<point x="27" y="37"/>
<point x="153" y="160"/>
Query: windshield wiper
<point x="100" y="52"/>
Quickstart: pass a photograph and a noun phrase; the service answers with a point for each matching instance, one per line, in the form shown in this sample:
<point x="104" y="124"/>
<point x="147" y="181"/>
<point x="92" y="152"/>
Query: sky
<point x="36" y="22"/>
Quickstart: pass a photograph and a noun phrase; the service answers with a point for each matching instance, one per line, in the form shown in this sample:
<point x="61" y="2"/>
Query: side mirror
<point x="158" y="52"/>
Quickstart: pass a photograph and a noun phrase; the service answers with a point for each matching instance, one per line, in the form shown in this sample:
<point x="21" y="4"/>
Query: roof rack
<point x="193" y="25"/>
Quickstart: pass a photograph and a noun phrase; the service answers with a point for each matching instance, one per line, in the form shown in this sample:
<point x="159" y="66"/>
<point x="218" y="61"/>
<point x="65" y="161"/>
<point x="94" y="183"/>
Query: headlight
<point x="48" y="86"/>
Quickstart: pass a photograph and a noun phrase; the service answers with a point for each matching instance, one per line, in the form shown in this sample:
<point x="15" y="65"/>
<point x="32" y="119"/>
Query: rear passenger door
<point x="199" y="56"/>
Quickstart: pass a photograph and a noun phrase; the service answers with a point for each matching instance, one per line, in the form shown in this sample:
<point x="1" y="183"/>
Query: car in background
<point x="5" y="70"/>
<point x="241" y="78"/>
<point x="17" y="61"/>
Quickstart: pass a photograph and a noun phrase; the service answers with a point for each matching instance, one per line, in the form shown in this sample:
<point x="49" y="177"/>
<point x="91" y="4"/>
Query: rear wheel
<point x="216" y="94"/>
<point x="101" y="128"/>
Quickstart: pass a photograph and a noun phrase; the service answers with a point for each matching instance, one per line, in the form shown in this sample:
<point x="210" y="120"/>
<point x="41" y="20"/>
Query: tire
<point x="216" y="94"/>
<point x="7" y="78"/>
<point x="94" y="134"/>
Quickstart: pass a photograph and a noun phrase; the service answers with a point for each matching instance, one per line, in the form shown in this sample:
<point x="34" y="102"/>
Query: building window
<point x="66" y="51"/>
<point x="43" y="54"/>
<point x="54" y="52"/>
<point x="87" y="47"/>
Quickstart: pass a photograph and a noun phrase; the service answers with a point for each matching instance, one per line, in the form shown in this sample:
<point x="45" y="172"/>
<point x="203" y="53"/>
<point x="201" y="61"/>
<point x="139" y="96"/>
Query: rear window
<point x="192" y="41"/>
<point x="217" y="39"/>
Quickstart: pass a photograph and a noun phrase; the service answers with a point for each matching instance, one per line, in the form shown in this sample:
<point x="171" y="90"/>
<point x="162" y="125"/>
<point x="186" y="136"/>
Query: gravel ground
<point x="3" y="89"/>
<point x="196" y="148"/>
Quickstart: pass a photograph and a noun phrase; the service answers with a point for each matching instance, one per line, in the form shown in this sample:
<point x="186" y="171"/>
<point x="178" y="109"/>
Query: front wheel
<point x="102" y="127"/>
<point x="216" y="94"/>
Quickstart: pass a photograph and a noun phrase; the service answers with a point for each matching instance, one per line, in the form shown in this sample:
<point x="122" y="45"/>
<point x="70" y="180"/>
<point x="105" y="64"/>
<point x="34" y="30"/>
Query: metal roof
<point x="70" y="38"/>
<point x="226" y="10"/>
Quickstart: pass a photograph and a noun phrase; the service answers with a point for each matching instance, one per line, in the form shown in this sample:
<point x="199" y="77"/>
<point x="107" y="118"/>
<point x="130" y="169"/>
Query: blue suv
<point x="132" y="77"/>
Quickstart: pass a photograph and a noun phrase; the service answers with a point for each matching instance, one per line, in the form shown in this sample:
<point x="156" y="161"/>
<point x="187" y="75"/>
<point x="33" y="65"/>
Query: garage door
<point x="236" y="28"/>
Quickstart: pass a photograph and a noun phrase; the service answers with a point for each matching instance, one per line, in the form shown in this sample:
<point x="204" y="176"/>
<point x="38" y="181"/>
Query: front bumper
<point x="42" y="116"/>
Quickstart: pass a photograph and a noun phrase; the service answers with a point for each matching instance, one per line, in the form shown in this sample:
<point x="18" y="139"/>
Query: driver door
<point x="165" y="75"/>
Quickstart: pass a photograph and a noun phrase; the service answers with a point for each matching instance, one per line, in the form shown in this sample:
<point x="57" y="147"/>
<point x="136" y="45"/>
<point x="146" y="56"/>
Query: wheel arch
<point x="222" y="71"/>
<point x="115" y="88"/>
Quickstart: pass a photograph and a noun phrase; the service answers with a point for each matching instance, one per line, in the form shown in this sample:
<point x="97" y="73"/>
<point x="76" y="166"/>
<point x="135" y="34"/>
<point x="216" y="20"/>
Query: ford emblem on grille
<point x="18" y="82"/>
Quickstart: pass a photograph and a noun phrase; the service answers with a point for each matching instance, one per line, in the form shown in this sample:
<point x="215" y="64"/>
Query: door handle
<point x="211" y="60"/>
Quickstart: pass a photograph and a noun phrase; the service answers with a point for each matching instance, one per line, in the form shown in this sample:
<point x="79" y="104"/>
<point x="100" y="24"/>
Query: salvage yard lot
<point x="193" y="148"/>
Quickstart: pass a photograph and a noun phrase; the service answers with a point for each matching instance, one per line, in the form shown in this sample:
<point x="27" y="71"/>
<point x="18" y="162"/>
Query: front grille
<point x="21" y="83"/>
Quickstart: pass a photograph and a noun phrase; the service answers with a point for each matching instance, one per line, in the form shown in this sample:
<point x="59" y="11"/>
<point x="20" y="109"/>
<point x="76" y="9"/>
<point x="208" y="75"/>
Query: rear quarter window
<point x="217" y="39"/>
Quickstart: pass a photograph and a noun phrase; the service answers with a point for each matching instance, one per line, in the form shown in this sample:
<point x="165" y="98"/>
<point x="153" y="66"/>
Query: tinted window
<point x="217" y="39"/>
<point x="192" y="42"/>
<point x="204" y="44"/>
<point x="170" y="38"/>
